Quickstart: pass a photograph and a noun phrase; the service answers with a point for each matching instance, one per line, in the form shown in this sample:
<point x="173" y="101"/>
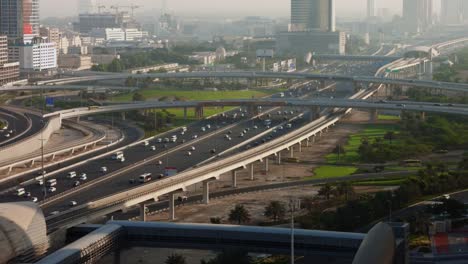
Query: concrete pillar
<point x="292" y="151"/>
<point x="266" y="164"/>
<point x="123" y="116"/>
<point x="374" y="115"/>
<point x="185" y="113"/>
<point x="278" y="158"/>
<point x="142" y="212"/>
<point x="307" y="143"/>
<point x="172" y="206"/>
<point x="314" y="112"/>
<point x="323" y="84"/>
<point x="423" y="116"/>
<point x="206" y="192"/>
<point x="199" y="112"/>
<point x="234" y="179"/>
<point x="299" y="145"/>
<point x="251" y="171"/>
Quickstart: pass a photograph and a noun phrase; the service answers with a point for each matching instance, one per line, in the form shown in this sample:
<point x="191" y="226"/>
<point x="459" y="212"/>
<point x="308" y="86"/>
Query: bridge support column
<point x="252" y="110"/>
<point x="143" y="212"/>
<point x="266" y="164"/>
<point x="251" y="171"/>
<point x="307" y="142"/>
<point x="206" y="191"/>
<point x="185" y="113"/>
<point x="122" y="115"/>
<point x="172" y="206"/>
<point x="374" y="115"/>
<point x="278" y="158"/>
<point x="291" y="151"/>
<point x="234" y="179"/>
<point x="423" y="116"/>
<point x="299" y="145"/>
<point x="199" y="112"/>
<point x="322" y="84"/>
<point x="314" y="112"/>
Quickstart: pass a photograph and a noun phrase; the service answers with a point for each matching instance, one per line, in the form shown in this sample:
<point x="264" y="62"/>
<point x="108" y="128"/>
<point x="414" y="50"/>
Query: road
<point x="22" y="126"/>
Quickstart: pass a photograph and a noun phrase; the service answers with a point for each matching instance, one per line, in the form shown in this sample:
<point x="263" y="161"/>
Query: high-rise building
<point x="312" y="15"/>
<point x="19" y="19"/>
<point x="452" y="12"/>
<point x="9" y="71"/>
<point x="86" y="6"/>
<point x="417" y="15"/>
<point x="370" y="8"/>
<point x="36" y="56"/>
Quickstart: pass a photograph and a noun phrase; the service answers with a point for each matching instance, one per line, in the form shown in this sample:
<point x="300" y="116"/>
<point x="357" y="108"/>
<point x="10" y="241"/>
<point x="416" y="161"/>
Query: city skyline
<point x="204" y="7"/>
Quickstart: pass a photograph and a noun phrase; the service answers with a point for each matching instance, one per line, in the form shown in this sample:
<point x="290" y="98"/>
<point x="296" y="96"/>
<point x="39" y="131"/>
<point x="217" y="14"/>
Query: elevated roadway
<point x="325" y="103"/>
<point x="272" y="75"/>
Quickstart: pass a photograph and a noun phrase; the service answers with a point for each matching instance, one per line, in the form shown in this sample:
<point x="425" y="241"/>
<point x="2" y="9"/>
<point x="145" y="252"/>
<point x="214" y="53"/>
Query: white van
<point x="72" y="174"/>
<point x="146" y="177"/>
<point x="51" y="182"/>
<point x="20" y="192"/>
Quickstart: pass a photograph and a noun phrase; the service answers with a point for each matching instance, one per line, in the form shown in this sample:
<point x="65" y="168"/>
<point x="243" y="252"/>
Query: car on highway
<point x="192" y="148"/>
<point x="145" y="177"/>
<point x="76" y="183"/>
<point x="20" y="192"/>
<point x="103" y="169"/>
<point x="203" y="129"/>
<point x="51" y="182"/>
<point x="213" y="151"/>
<point x="52" y="189"/>
<point x="7" y="135"/>
<point x="71" y="174"/>
<point x="145" y="143"/>
<point x="401" y="105"/>
<point x="27" y="194"/>
<point x="40" y="182"/>
<point x="153" y="148"/>
<point x="34" y="199"/>
<point x="189" y="153"/>
<point x="122" y="159"/>
<point x="159" y="140"/>
<point x="83" y="177"/>
<point x="73" y="203"/>
<point x="55" y="213"/>
<point x="194" y="136"/>
<point x="159" y="162"/>
<point x="182" y="198"/>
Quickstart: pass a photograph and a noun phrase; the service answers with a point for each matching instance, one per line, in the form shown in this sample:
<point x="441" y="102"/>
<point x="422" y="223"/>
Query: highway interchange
<point x="20" y="126"/>
<point x="139" y="159"/>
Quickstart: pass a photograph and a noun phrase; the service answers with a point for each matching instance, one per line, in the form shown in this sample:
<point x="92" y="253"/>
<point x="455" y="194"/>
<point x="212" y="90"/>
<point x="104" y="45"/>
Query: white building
<point x="118" y="34"/>
<point x="35" y="56"/>
<point x="132" y="34"/>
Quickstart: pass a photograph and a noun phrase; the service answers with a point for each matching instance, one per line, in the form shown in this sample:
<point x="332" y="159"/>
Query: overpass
<point x="456" y="87"/>
<point x="64" y="87"/>
<point x="252" y="104"/>
<point x="371" y="58"/>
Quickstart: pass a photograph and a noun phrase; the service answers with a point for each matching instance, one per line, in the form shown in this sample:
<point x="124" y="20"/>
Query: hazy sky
<point x="219" y="7"/>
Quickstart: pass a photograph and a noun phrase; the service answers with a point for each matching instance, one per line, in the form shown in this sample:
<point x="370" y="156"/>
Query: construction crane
<point x="132" y="7"/>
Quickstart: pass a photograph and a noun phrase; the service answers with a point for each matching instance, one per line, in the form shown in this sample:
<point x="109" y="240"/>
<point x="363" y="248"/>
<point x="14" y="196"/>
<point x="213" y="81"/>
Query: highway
<point x="23" y="126"/>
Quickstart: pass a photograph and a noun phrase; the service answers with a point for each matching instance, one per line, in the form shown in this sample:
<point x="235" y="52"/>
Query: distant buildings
<point x="35" y="56"/>
<point x="86" y="6"/>
<point x="312" y="29"/>
<point x="19" y="19"/>
<point x="417" y="15"/>
<point x="89" y="21"/>
<point x="370" y="8"/>
<point x="452" y="11"/>
<point x="9" y="71"/>
<point x="118" y="34"/>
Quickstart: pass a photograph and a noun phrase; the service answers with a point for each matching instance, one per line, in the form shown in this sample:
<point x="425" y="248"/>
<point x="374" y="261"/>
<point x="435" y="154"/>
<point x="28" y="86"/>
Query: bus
<point x="146" y="177"/>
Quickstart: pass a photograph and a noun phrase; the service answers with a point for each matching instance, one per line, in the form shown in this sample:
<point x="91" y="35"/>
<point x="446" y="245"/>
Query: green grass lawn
<point x="198" y="95"/>
<point x="354" y="141"/>
<point x="389" y="118"/>
<point x="332" y="172"/>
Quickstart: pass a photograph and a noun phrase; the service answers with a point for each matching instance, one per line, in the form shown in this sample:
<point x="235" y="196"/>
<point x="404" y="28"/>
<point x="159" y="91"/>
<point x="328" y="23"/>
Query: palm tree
<point x="275" y="210"/>
<point x="175" y="259"/>
<point x="239" y="214"/>
<point x="326" y="191"/>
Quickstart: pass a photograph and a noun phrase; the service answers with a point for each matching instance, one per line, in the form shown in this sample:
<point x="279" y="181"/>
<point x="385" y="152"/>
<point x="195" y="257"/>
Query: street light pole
<point x="42" y="145"/>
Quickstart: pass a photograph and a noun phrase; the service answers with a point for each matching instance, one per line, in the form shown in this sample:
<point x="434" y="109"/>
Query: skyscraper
<point x="19" y="19"/>
<point x="86" y="6"/>
<point x="452" y="12"/>
<point x="312" y="15"/>
<point x="417" y="15"/>
<point x="370" y="8"/>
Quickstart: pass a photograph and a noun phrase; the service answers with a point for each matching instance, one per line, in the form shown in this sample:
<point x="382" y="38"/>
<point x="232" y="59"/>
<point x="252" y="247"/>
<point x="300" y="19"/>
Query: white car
<point x="34" y="199"/>
<point x="159" y="140"/>
<point x="83" y="177"/>
<point x="103" y="169"/>
<point x="195" y="136"/>
<point x="52" y="189"/>
<point x="153" y="148"/>
<point x="192" y="148"/>
<point x="73" y="203"/>
<point x="189" y="153"/>
<point x="7" y="135"/>
<point x="160" y="162"/>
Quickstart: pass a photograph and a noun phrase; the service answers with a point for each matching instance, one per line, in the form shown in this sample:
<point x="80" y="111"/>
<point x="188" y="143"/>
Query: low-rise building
<point x="75" y="62"/>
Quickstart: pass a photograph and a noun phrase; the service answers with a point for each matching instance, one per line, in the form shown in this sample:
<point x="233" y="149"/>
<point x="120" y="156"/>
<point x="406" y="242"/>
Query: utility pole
<point x="294" y="204"/>
<point x="42" y="145"/>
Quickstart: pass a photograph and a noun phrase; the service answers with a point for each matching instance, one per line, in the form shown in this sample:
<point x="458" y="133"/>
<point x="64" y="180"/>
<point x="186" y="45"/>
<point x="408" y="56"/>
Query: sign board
<point x="49" y="101"/>
<point x="265" y="53"/>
